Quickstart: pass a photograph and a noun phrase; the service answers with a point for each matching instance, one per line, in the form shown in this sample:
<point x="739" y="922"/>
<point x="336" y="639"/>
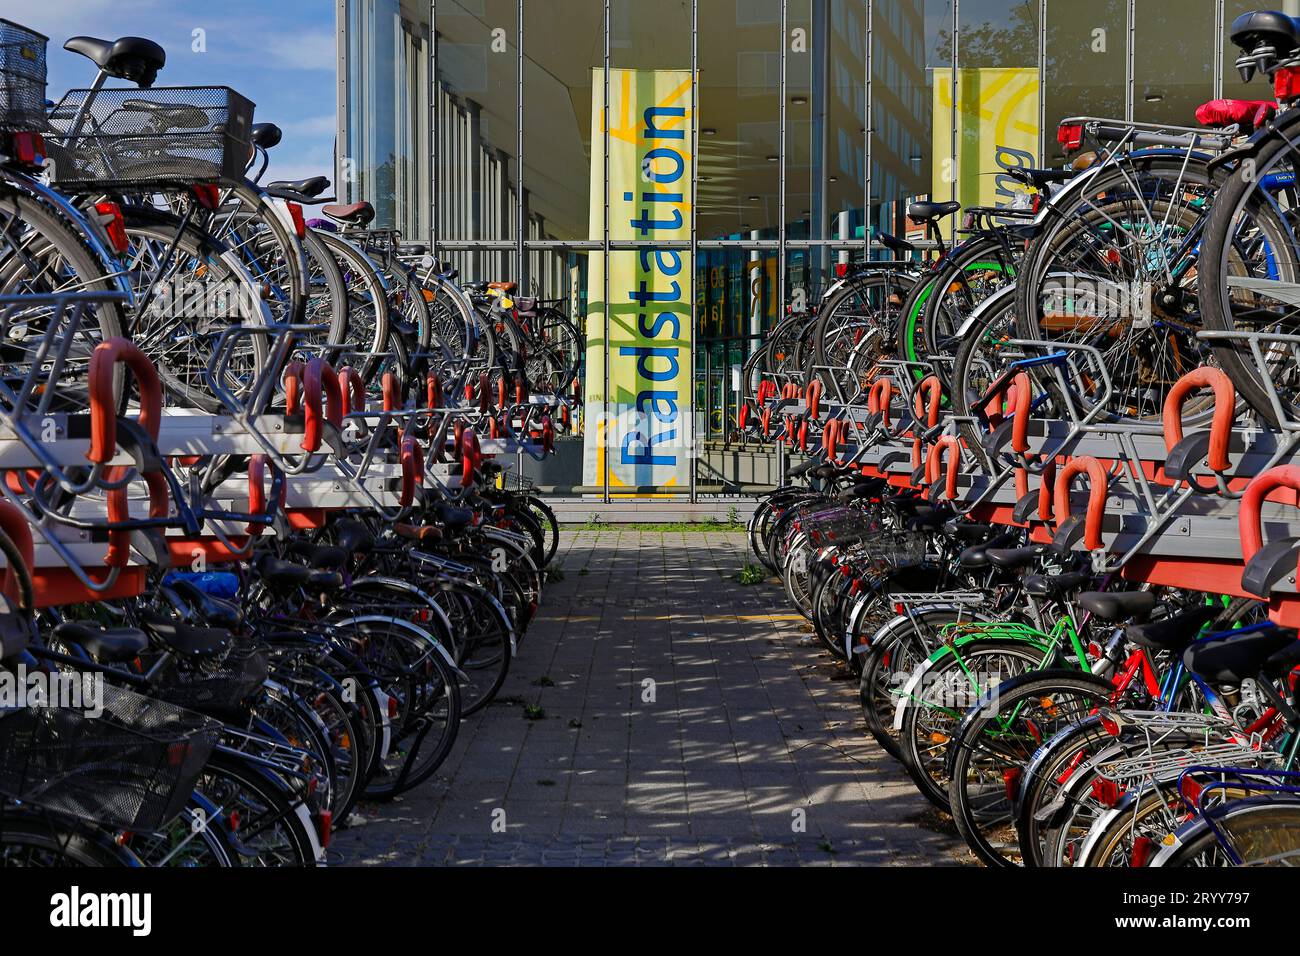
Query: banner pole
<point x="693" y="451"/>
<point x="604" y="424"/>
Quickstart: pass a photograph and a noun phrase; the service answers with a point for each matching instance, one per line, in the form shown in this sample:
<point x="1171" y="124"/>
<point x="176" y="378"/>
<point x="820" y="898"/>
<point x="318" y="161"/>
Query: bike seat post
<point x="75" y="129"/>
<point x="933" y="232"/>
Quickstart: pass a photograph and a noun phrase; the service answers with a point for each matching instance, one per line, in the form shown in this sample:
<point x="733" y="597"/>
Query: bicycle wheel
<point x="549" y="525"/>
<point x="896" y="650"/>
<point x="1261" y="831"/>
<point x="973" y="272"/>
<point x="40" y="253"/>
<point x="327" y="296"/>
<point x="1116" y="271"/>
<point x="250" y="224"/>
<point x="365" y="334"/>
<point x="256" y="808"/>
<point x="1250" y="265"/>
<point x="1044" y="779"/>
<point x="192" y="274"/>
<point x="937" y="696"/>
<point x="1142" y="818"/>
<point x="485" y="641"/>
<point x="27" y="840"/>
<point x="426" y="695"/>
<point x="984" y="351"/>
<point x="995" y="742"/>
<point x="864" y="312"/>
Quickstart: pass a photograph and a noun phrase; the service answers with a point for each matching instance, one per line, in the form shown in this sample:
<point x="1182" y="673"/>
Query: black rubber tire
<point x="1010" y="695"/>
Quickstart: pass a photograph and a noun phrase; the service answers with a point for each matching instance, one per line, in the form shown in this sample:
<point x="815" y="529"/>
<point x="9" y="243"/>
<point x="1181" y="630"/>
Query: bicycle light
<point x="1070" y="136"/>
<point x="1286" y="83"/>
<point x="110" y="217"/>
<point x="28" y="149"/>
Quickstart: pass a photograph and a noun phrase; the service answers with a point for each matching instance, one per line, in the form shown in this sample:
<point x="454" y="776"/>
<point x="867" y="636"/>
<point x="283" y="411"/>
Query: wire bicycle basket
<point x="124" y="138"/>
<point x="226" y="684"/>
<point x="133" y="766"/>
<point x="22" y="77"/>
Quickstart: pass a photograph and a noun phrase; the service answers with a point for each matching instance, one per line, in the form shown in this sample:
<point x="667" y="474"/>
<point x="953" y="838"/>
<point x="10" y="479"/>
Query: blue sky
<point x="278" y="53"/>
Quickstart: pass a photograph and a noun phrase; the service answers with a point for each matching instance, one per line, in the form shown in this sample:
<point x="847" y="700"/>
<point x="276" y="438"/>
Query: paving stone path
<point x="659" y="713"/>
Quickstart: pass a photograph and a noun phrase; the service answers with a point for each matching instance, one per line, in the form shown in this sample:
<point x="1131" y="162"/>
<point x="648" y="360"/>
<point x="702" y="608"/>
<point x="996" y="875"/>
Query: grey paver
<point x="746" y="727"/>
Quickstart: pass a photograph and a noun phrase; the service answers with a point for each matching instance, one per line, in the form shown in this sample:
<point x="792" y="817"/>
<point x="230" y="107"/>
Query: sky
<point x="278" y="53"/>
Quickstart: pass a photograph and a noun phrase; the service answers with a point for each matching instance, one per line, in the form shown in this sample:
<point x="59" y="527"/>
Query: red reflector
<point x="1070" y="136"/>
<point x="176" y="754"/>
<point x="841" y="269"/>
<point x="1106" y="792"/>
<point x="326" y="820"/>
<point x="392" y="708"/>
<point x="1143" y="848"/>
<point x="234" y="821"/>
<point x="29" y="149"/>
<point x="900" y="608"/>
<point x="1011" y="780"/>
<point x="1191" y="791"/>
<point x="110" y="217"/>
<point x="209" y="196"/>
<point x="1286" y="83"/>
<point x="299" y="223"/>
<point x="1110" y="725"/>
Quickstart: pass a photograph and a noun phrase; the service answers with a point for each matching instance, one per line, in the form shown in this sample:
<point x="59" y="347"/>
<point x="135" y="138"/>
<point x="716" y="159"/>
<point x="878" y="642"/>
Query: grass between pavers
<point x="664" y="526"/>
<point x="595" y="522"/>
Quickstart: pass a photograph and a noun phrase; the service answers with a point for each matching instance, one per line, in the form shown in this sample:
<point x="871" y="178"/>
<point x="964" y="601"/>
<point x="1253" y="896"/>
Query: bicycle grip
<point x="926" y="400"/>
<point x="292" y="381"/>
<point x="103" y="403"/>
<point x="119" y="541"/>
<point x="353" y="389"/>
<point x="940" y="454"/>
<point x="1098" y="484"/>
<point x="1225" y="402"/>
<point x="1260" y="487"/>
<point x="320" y="378"/>
<point x="412" y="460"/>
<point x="15" y="526"/>
<point x="471" y="456"/>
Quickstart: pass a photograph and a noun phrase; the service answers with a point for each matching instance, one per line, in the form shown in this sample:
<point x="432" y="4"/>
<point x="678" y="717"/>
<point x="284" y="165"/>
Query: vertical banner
<point x="642" y="437"/>
<point x="997" y="128"/>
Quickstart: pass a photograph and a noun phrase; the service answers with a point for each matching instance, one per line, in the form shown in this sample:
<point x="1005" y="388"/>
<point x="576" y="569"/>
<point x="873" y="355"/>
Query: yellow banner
<point x="997" y="124"/>
<point x="642" y="435"/>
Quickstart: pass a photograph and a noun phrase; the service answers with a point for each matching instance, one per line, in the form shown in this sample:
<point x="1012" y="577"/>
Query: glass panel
<point x="998" y="98"/>
<point x="563" y="44"/>
<point x="1233" y="87"/>
<point x="909" y="40"/>
<point x="385" y="157"/>
<point x="1085" y="64"/>
<point x="1173" y="70"/>
<point x="843" y="171"/>
<point x="478" y="130"/>
<point x="740" y="64"/>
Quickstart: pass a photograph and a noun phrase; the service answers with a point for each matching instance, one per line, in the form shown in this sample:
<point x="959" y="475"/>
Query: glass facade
<point x="815" y="123"/>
